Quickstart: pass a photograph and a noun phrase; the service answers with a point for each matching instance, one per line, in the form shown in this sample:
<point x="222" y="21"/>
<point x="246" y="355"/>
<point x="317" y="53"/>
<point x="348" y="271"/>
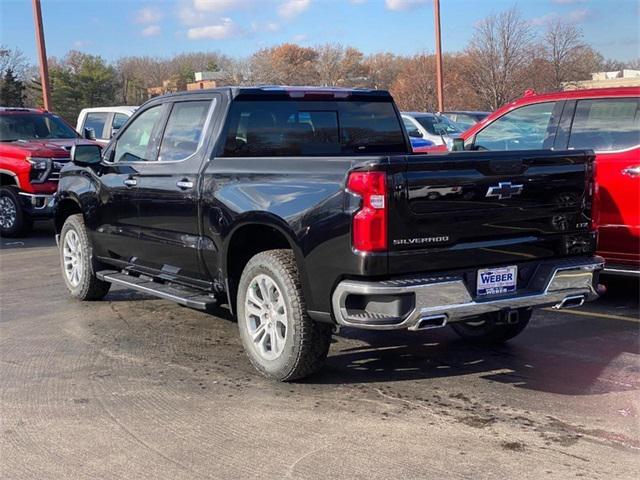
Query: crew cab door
<point x="116" y="231"/>
<point x="611" y="127"/>
<point x="168" y="195"/>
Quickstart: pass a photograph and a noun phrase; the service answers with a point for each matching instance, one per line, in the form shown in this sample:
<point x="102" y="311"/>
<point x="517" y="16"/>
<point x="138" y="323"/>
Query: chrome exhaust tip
<point x="429" y="322"/>
<point x="571" y="302"/>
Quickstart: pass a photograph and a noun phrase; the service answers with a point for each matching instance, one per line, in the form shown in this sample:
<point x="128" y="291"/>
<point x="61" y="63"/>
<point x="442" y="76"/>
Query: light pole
<point x="439" y="81"/>
<point x="42" y="55"/>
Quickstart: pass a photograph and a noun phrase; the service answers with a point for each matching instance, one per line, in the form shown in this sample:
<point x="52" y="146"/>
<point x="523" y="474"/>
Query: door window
<point x="137" y="142"/>
<point x="183" y="134"/>
<point x="119" y="119"/>
<point x="606" y="124"/>
<point x="97" y="122"/>
<point x="412" y="130"/>
<point x="526" y="128"/>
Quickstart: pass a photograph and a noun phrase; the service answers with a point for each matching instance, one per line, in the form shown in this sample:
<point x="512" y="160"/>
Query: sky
<point x="116" y="28"/>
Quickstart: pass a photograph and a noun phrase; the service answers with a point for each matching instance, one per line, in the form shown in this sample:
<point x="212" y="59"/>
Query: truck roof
<point x="289" y="91"/>
<point x="21" y="110"/>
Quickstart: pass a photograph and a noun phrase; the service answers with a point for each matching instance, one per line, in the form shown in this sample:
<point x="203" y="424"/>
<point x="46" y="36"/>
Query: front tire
<point x="76" y="260"/>
<point x="490" y="330"/>
<point x="13" y="221"/>
<point x="280" y="339"/>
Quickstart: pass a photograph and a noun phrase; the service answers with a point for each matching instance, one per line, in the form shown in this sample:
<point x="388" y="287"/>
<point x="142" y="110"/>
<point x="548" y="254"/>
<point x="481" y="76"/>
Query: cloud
<point x="358" y="2"/>
<point x="225" y="29"/>
<point x="293" y="8"/>
<point x="567" y="2"/>
<point x="398" y="5"/>
<point x="268" y="27"/>
<point x="151" y="31"/>
<point x="82" y="43"/>
<point x="301" y="38"/>
<point x="574" y="16"/>
<point x="147" y="15"/>
<point x="579" y="15"/>
<point x="220" y="6"/>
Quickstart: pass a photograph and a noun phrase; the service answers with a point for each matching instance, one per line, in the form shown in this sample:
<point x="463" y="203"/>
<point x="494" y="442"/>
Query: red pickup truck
<point x="34" y="145"/>
<point x="606" y="120"/>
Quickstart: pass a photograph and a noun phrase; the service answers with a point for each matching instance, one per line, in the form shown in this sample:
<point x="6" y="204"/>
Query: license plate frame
<point x="497" y="281"/>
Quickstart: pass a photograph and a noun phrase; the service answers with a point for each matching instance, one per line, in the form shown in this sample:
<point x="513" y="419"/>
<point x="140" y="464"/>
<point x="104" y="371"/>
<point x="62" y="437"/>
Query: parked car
<point x="34" y="145"/>
<point x="465" y="119"/>
<point x="419" y="145"/>
<point x="430" y="126"/>
<point x="303" y="209"/>
<point x="605" y="120"/>
<point x="102" y="123"/>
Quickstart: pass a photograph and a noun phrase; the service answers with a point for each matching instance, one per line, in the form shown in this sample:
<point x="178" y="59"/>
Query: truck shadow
<point x="567" y="356"/>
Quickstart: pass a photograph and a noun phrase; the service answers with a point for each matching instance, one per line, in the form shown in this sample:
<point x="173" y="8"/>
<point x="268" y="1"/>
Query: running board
<point x="189" y="297"/>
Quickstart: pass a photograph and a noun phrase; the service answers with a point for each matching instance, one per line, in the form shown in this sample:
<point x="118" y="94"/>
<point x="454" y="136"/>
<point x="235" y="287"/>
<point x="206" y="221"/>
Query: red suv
<point x="606" y="120"/>
<point x="34" y="145"/>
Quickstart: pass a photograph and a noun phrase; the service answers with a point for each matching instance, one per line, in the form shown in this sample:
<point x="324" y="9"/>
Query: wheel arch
<point x="249" y="238"/>
<point x="9" y="179"/>
<point x="65" y="207"/>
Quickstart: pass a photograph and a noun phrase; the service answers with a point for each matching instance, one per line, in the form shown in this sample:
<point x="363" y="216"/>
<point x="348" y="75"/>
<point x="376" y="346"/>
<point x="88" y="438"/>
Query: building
<point x="206" y="80"/>
<point x="620" y="78"/>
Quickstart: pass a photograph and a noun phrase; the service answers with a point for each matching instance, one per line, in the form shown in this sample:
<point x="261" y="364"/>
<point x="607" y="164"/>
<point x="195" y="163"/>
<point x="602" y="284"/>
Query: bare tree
<point x="340" y="66"/>
<point x="382" y="69"/>
<point x="570" y="58"/>
<point x="500" y="50"/>
<point x="415" y="86"/>
<point x="286" y="64"/>
<point x="13" y="59"/>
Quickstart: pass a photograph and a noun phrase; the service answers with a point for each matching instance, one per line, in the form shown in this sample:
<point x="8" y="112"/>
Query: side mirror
<point x="114" y="132"/>
<point x="85" y="155"/>
<point x="415" y="133"/>
<point x="457" y="145"/>
<point x="89" y="134"/>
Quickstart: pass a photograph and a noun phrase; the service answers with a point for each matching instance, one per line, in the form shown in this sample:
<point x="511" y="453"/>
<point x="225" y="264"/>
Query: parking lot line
<point x="595" y="314"/>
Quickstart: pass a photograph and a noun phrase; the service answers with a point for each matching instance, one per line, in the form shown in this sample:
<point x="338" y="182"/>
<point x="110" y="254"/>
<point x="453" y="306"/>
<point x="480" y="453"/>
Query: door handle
<point x="184" y="184"/>
<point x="632" y="171"/>
<point x="130" y="182"/>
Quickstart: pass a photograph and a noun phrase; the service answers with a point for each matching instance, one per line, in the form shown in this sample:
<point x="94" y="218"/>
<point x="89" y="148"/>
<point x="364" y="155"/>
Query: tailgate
<point x="487" y="208"/>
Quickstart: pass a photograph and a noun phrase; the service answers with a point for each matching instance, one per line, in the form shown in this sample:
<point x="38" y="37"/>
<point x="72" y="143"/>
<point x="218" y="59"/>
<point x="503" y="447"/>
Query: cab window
<point x="183" y="133"/>
<point x="526" y="128"/>
<point x="97" y="123"/>
<point x="137" y="142"/>
<point x="606" y="124"/>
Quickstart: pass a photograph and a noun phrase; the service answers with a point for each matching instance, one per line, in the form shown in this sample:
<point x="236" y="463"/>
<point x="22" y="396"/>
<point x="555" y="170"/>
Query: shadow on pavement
<point x="568" y="357"/>
<point x="42" y="235"/>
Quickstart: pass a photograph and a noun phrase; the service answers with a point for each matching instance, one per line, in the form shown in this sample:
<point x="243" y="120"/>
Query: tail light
<point x="370" y="222"/>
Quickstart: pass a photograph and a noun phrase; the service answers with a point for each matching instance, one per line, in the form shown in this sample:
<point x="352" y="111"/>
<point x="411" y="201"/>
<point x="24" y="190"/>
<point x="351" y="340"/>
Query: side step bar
<point x="189" y="297"/>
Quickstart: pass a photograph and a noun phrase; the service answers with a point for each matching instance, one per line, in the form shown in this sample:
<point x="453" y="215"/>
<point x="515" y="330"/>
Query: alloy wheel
<point x="72" y="258"/>
<point x="8" y="212"/>
<point x="266" y="317"/>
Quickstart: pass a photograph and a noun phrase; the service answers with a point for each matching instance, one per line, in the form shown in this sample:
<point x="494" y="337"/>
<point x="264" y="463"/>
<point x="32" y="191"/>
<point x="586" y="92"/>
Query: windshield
<point x="32" y="126"/>
<point x="438" y="125"/>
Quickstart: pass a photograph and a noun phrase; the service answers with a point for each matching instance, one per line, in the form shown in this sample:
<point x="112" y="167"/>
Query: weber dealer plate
<point x="495" y="281"/>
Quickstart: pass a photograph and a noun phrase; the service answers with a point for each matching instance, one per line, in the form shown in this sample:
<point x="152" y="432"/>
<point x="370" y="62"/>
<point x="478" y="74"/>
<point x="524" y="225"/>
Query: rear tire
<point x="76" y="260"/>
<point x="13" y="220"/>
<point x="280" y="339"/>
<point x="486" y="330"/>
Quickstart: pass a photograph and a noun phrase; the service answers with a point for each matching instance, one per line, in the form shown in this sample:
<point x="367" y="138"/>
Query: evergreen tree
<point x="11" y="90"/>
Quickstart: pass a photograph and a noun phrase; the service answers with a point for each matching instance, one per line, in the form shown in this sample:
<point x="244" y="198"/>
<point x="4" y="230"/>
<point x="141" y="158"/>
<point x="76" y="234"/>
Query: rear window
<point x="307" y="128"/>
<point x="606" y="124"/>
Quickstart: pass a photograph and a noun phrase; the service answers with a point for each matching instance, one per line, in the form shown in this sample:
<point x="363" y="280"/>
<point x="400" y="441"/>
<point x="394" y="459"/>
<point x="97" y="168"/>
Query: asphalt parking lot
<point x="134" y="387"/>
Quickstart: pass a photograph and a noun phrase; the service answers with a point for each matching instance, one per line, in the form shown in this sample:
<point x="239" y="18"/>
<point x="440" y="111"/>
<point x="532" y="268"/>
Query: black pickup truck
<point x="302" y="209"/>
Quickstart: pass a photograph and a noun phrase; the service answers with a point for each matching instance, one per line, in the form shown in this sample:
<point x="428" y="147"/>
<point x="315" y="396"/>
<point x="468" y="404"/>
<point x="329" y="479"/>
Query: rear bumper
<point x="38" y="205"/>
<point x="425" y="302"/>
<point x="622" y="269"/>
